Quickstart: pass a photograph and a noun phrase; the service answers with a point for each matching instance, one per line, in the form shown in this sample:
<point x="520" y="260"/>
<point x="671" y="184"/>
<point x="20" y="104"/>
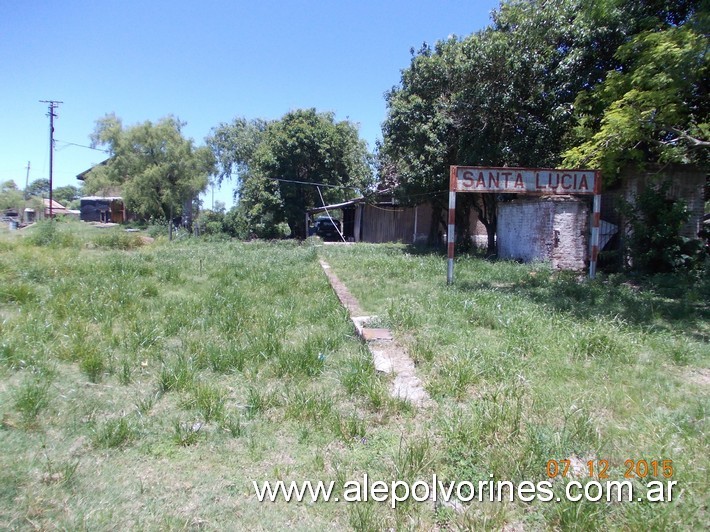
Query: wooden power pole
<point x="53" y="104"/>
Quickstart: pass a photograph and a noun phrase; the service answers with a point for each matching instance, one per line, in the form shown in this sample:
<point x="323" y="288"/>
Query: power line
<point x="311" y="184"/>
<point x="82" y="146"/>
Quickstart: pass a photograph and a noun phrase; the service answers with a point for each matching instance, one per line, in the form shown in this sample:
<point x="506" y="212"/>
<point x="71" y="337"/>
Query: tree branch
<point x="696" y="143"/>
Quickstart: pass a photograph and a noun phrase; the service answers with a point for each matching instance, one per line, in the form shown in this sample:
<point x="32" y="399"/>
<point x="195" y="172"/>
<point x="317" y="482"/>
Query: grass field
<point x="146" y="386"/>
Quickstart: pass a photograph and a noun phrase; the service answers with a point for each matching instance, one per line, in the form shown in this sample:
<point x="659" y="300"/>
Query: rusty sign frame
<point x="567" y="182"/>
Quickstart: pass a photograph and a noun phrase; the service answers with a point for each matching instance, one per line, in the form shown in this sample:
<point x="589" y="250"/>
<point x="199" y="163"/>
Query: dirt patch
<point x="700" y="377"/>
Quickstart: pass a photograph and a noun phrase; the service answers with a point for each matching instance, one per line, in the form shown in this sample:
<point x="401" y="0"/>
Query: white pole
<point x="450" y="233"/>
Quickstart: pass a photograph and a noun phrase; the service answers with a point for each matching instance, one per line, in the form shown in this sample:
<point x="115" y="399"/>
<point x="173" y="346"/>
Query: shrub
<point x="655" y="243"/>
<point x="117" y="240"/>
<point x="47" y="233"/>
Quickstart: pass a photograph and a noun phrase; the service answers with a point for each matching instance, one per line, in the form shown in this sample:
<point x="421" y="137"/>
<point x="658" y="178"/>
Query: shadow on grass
<point x="677" y="302"/>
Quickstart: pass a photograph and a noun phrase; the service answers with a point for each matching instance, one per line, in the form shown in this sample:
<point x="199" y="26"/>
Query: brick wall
<point x="554" y="229"/>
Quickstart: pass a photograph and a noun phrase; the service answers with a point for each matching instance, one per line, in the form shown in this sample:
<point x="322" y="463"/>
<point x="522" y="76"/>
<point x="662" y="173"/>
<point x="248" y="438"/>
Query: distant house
<point x="106" y="209"/>
<point x="57" y="209"/>
<point x="384" y="219"/>
<point x="82" y="175"/>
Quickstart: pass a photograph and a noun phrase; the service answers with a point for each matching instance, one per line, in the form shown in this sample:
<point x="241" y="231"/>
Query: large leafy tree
<point x="10" y="196"/>
<point x="654" y="107"/>
<point x="508" y="95"/>
<point x="39" y="188"/>
<point x="234" y="144"/>
<point x="157" y="168"/>
<point x="66" y="194"/>
<point x="280" y="164"/>
<point x="502" y="96"/>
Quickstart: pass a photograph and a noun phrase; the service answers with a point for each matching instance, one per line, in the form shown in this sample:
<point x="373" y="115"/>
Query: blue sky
<point x="204" y="62"/>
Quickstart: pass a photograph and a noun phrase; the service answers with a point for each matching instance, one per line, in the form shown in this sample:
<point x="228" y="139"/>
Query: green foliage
<point x="51" y="233"/>
<point x="66" y="194"/>
<point x="655" y="242"/>
<point x="10" y="196"/>
<point x="234" y="145"/>
<point x="211" y="222"/>
<point x="499" y="97"/>
<point x="32" y="397"/>
<point x="39" y="188"/>
<point x="653" y="108"/>
<point x="93" y="365"/>
<point x="156" y="167"/>
<point x="207" y="400"/>
<point x="117" y="240"/>
<point x="113" y="433"/>
<point x="583" y="84"/>
<point x="305" y="146"/>
<point x="186" y="434"/>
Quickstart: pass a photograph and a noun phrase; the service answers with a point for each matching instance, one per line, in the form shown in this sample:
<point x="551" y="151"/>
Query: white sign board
<point x="483" y="179"/>
<point x="525" y="180"/>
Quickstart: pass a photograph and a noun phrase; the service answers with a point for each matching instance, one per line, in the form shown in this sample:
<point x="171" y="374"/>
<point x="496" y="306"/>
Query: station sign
<point x="525" y="180"/>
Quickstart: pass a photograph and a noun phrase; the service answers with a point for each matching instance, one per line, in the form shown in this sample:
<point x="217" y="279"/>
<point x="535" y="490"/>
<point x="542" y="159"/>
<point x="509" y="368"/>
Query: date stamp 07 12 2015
<point x="599" y="468"/>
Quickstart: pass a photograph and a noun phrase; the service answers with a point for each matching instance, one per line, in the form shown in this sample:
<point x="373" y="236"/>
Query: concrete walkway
<point x="388" y="355"/>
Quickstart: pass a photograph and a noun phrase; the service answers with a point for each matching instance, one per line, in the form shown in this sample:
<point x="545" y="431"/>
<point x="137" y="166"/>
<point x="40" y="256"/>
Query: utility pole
<point x="27" y="179"/>
<point x="53" y="104"/>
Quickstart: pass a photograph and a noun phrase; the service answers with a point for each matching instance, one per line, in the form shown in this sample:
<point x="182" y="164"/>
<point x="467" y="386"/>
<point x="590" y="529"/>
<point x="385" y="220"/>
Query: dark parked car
<point x="328" y="229"/>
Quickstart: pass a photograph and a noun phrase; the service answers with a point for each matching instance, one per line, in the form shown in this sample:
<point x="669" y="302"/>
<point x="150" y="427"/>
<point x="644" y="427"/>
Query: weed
<point x="258" y="402"/>
<point x="124" y="375"/>
<point x="19" y="293"/>
<point x="208" y="400"/>
<point x="308" y="406"/>
<point x="225" y="359"/>
<point x="176" y="376"/>
<point x="31" y="398"/>
<point x="186" y="434"/>
<point x="358" y="373"/>
<point x="413" y="458"/>
<point x="117" y="240"/>
<point x="363" y="517"/>
<point x="232" y="423"/>
<point x="307" y="359"/>
<point x="348" y="427"/>
<point x="113" y="433"/>
<point x="63" y="473"/>
<point x="602" y="341"/>
<point x="48" y="233"/>
<point x="93" y="365"/>
<point x="145" y="405"/>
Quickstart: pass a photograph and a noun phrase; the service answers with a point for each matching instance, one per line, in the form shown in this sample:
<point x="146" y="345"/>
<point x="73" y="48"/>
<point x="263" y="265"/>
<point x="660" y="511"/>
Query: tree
<point x="234" y="145"/>
<point x="39" y="188"/>
<point x="158" y="169"/>
<point x="509" y="95"/>
<point x="655" y="107"/>
<point x="66" y="194"/>
<point x="500" y="97"/>
<point x="274" y="163"/>
<point x="655" y="241"/>
<point x="10" y="196"/>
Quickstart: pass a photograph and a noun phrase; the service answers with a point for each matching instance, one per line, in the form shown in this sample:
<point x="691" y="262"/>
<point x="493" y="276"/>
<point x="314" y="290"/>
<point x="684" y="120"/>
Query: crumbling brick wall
<point x="547" y="228"/>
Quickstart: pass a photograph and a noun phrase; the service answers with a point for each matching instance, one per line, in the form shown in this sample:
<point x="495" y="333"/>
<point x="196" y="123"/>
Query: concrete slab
<point x="387" y="354"/>
<point x="376" y="334"/>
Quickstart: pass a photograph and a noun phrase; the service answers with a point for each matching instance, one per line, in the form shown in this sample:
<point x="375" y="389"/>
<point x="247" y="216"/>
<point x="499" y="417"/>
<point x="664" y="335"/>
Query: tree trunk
<point x="486" y="206"/>
<point x="435" y="224"/>
<point x="170" y="225"/>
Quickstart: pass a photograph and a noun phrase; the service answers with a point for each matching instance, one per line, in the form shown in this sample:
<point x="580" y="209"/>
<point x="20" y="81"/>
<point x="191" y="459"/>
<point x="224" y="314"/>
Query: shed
<point x="103" y="209"/>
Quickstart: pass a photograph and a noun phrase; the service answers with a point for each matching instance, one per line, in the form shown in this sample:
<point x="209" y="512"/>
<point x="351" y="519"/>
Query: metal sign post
<point x="450" y="233"/>
<point x="529" y="181"/>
